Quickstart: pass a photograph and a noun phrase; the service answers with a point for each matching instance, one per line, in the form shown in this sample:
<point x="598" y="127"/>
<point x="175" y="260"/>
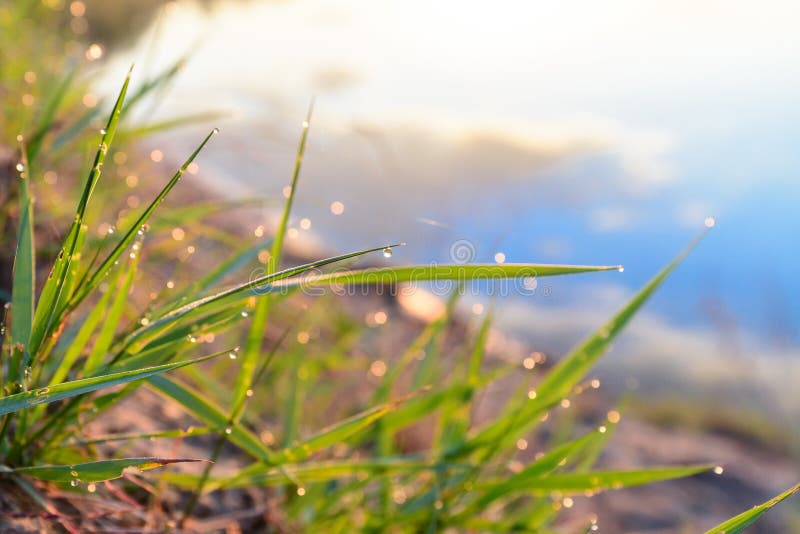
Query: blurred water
<point x="568" y="132"/>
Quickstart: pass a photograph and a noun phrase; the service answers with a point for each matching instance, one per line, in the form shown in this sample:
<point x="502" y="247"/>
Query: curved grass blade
<point x="263" y="284"/>
<point x="566" y="374"/>
<point x="99" y="471"/>
<point x="560" y="381"/>
<point x="454" y="272"/>
<point x="740" y="522"/>
<point x="13" y="403"/>
<point x="51" y="301"/>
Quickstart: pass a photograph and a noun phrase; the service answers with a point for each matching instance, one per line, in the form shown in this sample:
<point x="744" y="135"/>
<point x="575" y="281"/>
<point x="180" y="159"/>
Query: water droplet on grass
<point x="387" y="252"/>
<point x="74" y="483"/>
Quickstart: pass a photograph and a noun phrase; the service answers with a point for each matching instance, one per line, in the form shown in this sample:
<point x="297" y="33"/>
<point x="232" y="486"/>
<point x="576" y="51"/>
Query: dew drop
<point x="191" y="339"/>
<point x="228" y="430"/>
<point x="74" y="483"/>
<point x="719" y="470"/>
<point x="74" y="473"/>
<point x="103" y="131"/>
<point x="232" y="355"/>
<point x="244" y="313"/>
<point x="216" y="130"/>
<point x="110" y="230"/>
<point x="621" y="269"/>
<point x="249" y="392"/>
<point x="387" y="252"/>
<point x="710" y="222"/>
<point x="20" y="167"/>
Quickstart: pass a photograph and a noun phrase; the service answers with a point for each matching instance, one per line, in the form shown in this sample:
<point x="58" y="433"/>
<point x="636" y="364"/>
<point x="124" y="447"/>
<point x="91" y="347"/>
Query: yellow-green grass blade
<point x="24" y="276"/>
<point x="48" y="113"/>
<point x="549" y="462"/>
<point x="13" y="403"/>
<point x="327" y="437"/>
<point x="160" y="80"/>
<point x="562" y="379"/>
<point x="81" y="339"/>
<point x="258" y="326"/>
<point x="51" y="298"/>
<point x="98" y="471"/>
<point x="740" y="522"/>
<point x="111" y="320"/>
<point x="571" y="369"/>
<point x="322" y="471"/>
<point x="241" y="291"/>
<point x="218" y="273"/>
<point x="211" y="415"/>
<point x="136" y="228"/>
<point x="130" y="436"/>
<point x="453" y="272"/>
<point x="169" y="124"/>
<point x="578" y="483"/>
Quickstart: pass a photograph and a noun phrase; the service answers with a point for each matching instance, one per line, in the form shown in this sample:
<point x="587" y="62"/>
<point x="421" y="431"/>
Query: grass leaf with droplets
<point x="98" y="471"/>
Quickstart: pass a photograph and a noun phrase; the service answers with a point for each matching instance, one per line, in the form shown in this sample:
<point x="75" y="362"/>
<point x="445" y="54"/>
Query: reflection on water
<point x="533" y="133"/>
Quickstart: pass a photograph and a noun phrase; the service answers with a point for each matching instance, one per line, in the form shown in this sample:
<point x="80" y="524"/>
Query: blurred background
<point x="570" y="132"/>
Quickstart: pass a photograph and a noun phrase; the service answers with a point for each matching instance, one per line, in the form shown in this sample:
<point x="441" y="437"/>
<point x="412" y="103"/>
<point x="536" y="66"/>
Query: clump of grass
<point x="79" y="348"/>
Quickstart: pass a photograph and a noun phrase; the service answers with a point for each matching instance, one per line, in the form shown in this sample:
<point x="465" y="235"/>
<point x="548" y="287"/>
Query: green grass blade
<point x="24" y="277"/>
<point x="169" y="124"/>
<point x="322" y="471"/>
<point x="130" y="436"/>
<point x="573" y="483"/>
<point x="560" y="381"/>
<point x="740" y="522"/>
<point x="262" y="284"/>
<point x="553" y="459"/>
<point x="85" y="332"/>
<point x="51" y="299"/>
<point x="96" y="471"/>
<point x="111" y="320"/>
<point x="455" y="272"/>
<point x="24" y="285"/>
<point x="328" y="437"/>
<point x="51" y="107"/>
<point x="136" y="228"/>
<point x="566" y="374"/>
<point x="211" y="416"/>
<point x="258" y="326"/>
<point x="13" y="403"/>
